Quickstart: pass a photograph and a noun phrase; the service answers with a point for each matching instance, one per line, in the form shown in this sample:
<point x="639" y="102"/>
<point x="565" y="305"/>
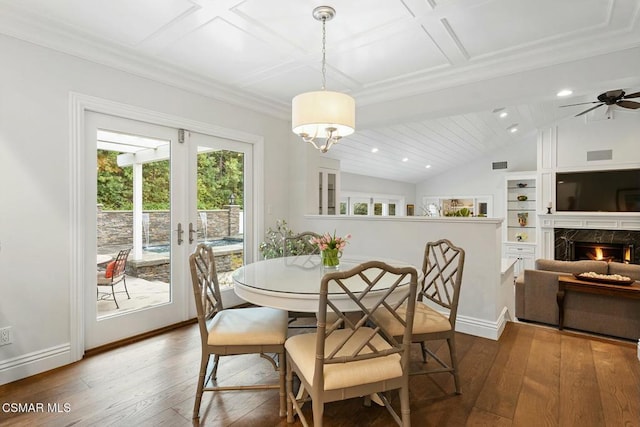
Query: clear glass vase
<point x="331" y="258"/>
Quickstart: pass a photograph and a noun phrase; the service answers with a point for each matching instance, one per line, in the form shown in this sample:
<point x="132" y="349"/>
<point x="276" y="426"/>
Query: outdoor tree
<point x="220" y="174"/>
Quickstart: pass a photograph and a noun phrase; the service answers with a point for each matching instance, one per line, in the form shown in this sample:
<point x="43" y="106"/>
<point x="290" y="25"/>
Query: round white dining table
<point x="293" y="283"/>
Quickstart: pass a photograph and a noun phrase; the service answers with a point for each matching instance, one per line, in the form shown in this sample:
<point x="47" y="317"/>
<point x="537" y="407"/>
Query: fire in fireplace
<point x="619" y="252"/>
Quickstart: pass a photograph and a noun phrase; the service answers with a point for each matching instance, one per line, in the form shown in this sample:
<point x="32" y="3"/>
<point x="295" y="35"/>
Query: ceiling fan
<point x="612" y="97"/>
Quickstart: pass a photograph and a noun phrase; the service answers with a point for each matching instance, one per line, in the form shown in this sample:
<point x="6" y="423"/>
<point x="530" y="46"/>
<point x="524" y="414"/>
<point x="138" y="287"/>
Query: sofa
<point x="536" y="299"/>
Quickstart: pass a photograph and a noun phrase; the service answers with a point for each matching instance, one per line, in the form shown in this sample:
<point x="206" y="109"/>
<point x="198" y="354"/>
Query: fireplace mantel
<point x="591" y="220"/>
<point x="582" y="220"/>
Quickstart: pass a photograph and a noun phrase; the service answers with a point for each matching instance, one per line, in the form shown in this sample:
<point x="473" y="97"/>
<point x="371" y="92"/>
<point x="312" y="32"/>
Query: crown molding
<point x="33" y="30"/>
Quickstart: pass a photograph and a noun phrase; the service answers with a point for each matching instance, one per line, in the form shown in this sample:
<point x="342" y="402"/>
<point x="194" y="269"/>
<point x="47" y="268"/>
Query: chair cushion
<point x="302" y="350"/>
<point x="425" y="320"/>
<point x="108" y="272"/>
<point x="248" y="326"/>
<point x="103" y="280"/>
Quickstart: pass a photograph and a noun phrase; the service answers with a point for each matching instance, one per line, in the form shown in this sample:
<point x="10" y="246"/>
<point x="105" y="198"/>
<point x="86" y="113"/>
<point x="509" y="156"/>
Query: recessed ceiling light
<point x="503" y="114"/>
<point x="374" y="150"/>
<point x="564" y="92"/>
<point x="428" y="166"/>
<point x="513" y="128"/>
<point x="406" y="159"/>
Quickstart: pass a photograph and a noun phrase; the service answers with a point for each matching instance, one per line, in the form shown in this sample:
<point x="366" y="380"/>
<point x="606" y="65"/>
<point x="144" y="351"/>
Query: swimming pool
<point x="158" y="249"/>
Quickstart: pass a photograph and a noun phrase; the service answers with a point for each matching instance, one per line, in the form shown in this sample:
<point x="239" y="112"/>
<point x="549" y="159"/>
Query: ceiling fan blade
<point x="632" y="95"/>
<point x="582" y="103"/>
<point x="590" y="109"/>
<point x="629" y="104"/>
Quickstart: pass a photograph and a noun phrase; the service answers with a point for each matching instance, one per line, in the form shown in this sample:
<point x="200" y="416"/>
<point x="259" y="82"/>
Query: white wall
<point x="366" y="184"/>
<point x="35" y="205"/>
<point x="482" y="308"/>
<point x="478" y="178"/>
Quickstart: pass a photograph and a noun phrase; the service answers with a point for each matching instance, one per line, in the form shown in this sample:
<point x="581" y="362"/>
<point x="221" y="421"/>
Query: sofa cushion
<point x="629" y="270"/>
<point x="600" y="267"/>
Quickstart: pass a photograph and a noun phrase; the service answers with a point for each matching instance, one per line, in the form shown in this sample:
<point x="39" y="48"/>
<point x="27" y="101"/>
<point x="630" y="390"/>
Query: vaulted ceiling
<point x="428" y="76"/>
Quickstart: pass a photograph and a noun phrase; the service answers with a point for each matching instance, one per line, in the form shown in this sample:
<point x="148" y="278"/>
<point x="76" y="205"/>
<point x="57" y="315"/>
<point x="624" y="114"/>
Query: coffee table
<point x="570" y="283"/>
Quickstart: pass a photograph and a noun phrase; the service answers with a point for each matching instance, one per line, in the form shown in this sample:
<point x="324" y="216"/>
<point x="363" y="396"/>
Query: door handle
<point x="191" y="232"/>
<point x="180" y="233"/>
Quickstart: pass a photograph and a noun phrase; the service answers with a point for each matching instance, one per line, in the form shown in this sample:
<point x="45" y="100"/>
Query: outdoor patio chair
<point x="351" y="357"/>
<point x="228" y="332"/>
<point x="114" y="273"/>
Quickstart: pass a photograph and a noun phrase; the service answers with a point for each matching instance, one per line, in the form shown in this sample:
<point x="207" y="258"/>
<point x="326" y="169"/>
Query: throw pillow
<point x="109" y="271"/>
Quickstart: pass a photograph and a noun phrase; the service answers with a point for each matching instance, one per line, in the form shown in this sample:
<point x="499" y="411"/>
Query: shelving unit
<point x="520" y="220"/>
<point x="521" y="210"/>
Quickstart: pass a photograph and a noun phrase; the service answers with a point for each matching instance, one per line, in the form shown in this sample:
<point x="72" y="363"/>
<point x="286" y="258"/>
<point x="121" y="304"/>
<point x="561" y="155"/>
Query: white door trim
<point x="78" y="105"/>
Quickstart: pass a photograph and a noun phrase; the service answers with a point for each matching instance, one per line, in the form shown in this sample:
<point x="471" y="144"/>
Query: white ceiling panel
<point x="506" y="24"/>
<point x="390" y="58"/>
<point x="121" y="21"/>
<point x="426" y="74"/>
<point x="222" y="51"/>
<point x="293" y="20"/>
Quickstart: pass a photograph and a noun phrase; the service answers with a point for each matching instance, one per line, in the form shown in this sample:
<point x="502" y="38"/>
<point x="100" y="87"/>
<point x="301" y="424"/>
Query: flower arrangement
<point x="330" y="247"/>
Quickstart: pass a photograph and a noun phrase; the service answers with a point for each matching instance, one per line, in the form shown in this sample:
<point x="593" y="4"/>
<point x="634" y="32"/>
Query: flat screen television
<point x="598" y="191"/>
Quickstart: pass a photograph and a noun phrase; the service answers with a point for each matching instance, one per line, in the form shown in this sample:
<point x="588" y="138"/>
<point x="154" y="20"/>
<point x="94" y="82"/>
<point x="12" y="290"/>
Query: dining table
<point x="293" y="283"/>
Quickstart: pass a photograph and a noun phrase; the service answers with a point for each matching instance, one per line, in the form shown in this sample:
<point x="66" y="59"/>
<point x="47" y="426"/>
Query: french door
<point x="145" y="190"/>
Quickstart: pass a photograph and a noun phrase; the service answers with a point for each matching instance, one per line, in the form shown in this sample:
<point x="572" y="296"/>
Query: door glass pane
<point x="331" y="193"/>
<point x="133" y="213"/>
<point x="220" y="204"/>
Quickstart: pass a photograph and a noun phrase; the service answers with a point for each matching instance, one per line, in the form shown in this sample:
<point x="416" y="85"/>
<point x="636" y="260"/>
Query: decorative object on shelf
<point x="522" y="218"/>
<point x="330" y="248"/>
<point x="522" y="184"/>
<point x="549" y="206"/>
<point x="521" y="236"/>
<point x="522" y="198"/>
<point x="323" y="114"/>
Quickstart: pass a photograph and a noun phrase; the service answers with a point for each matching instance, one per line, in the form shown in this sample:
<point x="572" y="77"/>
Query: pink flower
<point x="327" y="241"/>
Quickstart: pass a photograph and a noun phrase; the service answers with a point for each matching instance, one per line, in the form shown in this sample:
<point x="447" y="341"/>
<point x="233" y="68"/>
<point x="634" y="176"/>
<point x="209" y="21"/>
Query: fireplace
<point x="619" y="252"/>
<point x="608" y="245"/>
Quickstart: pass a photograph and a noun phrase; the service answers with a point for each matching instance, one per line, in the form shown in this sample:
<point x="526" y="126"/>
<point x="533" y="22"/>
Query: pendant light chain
<point x="324" y="54"/>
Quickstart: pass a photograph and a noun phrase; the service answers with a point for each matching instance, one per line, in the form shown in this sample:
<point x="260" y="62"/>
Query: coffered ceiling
<point x="427" y="75"/>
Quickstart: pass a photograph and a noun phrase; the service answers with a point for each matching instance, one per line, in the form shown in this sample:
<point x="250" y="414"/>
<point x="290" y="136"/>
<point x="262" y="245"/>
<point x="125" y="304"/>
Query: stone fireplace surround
<point x="563" y="237"/>
<point x="598" y="227"/>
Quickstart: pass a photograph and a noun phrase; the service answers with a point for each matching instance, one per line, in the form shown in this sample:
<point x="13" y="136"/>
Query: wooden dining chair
<point x="300" y="245"/>
<point x="442" y="268"/>
<point x="350" y="358"/>
<point x="114" y="273"/>
<point x="227" y="332"/>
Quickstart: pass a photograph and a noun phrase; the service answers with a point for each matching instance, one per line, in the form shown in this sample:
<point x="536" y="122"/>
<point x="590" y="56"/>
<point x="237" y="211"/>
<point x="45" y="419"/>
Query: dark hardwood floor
<point x="532" y="376"/>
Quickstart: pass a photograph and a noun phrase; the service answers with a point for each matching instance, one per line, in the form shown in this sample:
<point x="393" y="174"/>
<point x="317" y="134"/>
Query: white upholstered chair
<point x="350" y="357"/>
<point x="442" y="268"/>
<point x="226" y="332"/>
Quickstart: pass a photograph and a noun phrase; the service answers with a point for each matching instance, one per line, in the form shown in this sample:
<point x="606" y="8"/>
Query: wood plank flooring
<point x="532" y="376"/>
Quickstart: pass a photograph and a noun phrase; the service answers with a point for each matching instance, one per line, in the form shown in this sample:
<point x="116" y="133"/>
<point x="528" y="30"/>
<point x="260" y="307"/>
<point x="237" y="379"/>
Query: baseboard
<point x="34" y="363"/>
<point x="481" y="327"/>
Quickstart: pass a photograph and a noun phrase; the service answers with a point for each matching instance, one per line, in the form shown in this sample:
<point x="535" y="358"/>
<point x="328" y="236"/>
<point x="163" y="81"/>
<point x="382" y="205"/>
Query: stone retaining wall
<point x="115" y="228"/>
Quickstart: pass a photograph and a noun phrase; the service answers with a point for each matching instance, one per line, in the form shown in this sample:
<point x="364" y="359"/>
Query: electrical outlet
<point x="5" y="335"/>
